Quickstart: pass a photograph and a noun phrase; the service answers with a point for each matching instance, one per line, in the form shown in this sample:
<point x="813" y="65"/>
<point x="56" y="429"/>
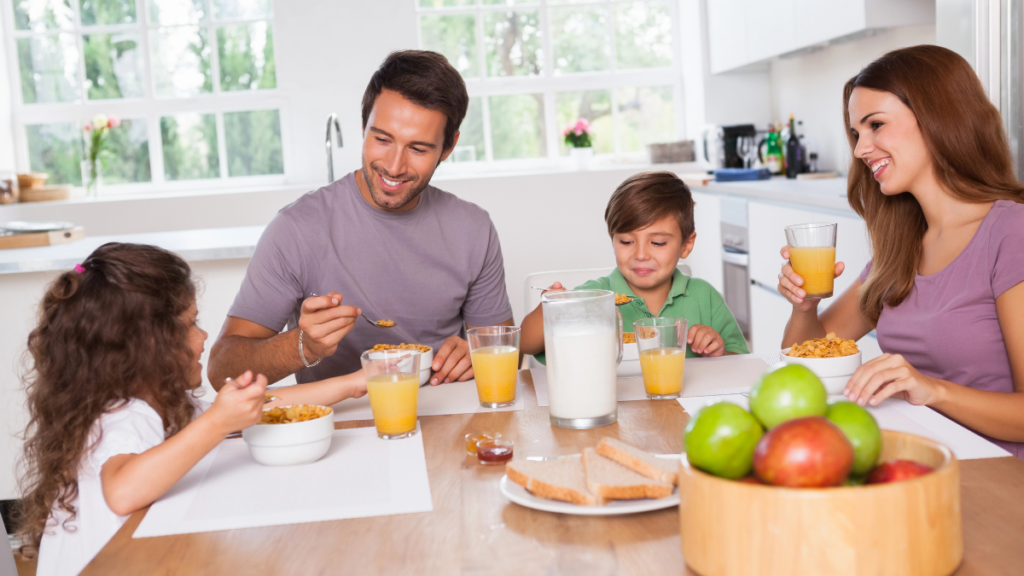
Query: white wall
<point x="811" y="87"/>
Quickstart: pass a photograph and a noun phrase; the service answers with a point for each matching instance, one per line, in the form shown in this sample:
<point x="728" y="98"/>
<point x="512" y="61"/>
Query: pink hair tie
<point x="79" y="268"/>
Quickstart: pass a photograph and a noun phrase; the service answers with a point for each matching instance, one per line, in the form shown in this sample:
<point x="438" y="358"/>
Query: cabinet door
<point x="727" y="35"/>
<point x="769" y="313"/>
<point x="771" y="28"/>
<point x="705" y="261"/>
<point x="822" y="20"/>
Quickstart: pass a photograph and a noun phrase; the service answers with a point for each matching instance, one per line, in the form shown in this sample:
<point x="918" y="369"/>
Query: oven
<point x="736" y="260"/>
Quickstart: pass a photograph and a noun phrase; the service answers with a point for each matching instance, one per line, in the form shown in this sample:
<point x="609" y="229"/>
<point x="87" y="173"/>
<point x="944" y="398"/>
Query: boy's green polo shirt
<point x="690" y="298"/>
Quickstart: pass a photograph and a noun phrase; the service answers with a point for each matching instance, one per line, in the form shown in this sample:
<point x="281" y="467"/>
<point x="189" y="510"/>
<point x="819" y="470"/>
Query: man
<point x="382" y="240"/>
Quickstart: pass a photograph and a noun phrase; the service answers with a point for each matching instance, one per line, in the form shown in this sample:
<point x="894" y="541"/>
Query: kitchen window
<point x="534" y="67"/>
<point x="193" y="81"/>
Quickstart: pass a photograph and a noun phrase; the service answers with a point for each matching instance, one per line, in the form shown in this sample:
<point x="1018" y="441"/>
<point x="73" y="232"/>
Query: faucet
<point x="332" y="120"/>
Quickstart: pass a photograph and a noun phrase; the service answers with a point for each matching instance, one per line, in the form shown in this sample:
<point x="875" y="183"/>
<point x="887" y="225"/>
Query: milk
<point x="581" y="371"/>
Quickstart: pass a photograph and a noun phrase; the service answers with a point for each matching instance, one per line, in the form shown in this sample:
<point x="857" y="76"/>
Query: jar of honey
<point x="473" y="437"/>
<point x="494" y="452"/>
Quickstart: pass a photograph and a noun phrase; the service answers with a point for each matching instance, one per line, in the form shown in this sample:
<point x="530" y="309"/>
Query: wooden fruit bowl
<point x="909" y="528"/>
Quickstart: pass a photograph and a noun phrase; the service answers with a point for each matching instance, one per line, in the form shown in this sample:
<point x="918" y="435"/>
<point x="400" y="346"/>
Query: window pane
<point x="513" y="44"/>
<point x="445" y="3"/>
<point x="509" y="2"/>
<point x="181" y="61"/>
<point x="470" y="147"/>
<point x="57" y="150"/>
<point x="241" y="9"/>
<point x="246" y="57"/>
<point x="128" y="159"/>
<point x="98" y="12"/>
<point x="646" y="116"/>
<point x="453" y="36"/>
<point x="43" y="14"/>
<point x="49" y="68"/>
<point x="112" y="66"/>
<point x="596" y="107"/>
<point x="254" y="143"/>
<point x="580" y="39"/>
<point x="517" y="126"/>
<point x="176" y="11"/>
<point x="643" y="35"/>
<point x="190" y="146"/>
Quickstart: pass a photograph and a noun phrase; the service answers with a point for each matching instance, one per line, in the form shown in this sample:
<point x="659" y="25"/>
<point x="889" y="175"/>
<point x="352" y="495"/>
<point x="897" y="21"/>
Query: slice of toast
<point x="614" y="481"/>
<point x="644" y="463"/>
<point x="561" y="479"/>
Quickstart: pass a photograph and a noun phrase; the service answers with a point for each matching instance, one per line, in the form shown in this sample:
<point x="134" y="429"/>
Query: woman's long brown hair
<point x="105" y="336"/>
<point x="968" y="148"/>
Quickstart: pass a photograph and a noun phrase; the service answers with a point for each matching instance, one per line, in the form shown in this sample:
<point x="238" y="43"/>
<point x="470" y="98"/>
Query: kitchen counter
<point x="828" y="193"/>
<point x="192" y="245"/>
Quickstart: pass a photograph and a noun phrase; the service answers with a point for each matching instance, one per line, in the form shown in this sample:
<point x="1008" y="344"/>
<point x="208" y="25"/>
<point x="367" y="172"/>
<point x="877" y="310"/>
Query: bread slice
<point x="614" y="481"/>
<point x="562" y="479"/>
<point x="641" y="462"/>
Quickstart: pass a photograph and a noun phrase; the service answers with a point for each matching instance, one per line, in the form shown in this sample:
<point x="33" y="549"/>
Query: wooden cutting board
<point x="37" y="239"/>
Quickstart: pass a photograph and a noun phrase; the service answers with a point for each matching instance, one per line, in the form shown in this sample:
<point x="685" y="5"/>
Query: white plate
<point x="22" y="227"/>
<point x="521" y="496"/>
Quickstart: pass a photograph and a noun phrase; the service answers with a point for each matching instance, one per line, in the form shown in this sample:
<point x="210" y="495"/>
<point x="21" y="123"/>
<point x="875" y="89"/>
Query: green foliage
<point x="246" y="57"/>
<point x="55" y="14"/>
<point x="102" y="53"/>
<point x="455" y="37"/>
<point x="643" y="35"/>
<point x="57" y="150"/>
<point x="593" y="105"/>
<point x="512" y="43"/>
<point x="190" y="146"/>
<point x="520" y="131"/>
<point x="579" y="39"/>
<point x="45" y="77"/>
<point x="254" y="143"/>
<point x="128" y="154"/>
<point x="99" y="12"/>
<point x="470" y="146"/>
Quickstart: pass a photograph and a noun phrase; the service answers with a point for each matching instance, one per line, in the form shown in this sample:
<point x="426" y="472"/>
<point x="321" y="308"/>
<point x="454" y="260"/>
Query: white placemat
<point x="900" y="416"/>
<point x="702" y="377"/>
<point x="454" y="398"/>
<point x="360" y="476"/>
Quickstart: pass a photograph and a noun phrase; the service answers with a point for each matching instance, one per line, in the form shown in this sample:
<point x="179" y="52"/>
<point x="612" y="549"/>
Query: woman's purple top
<point x="947" y="328"/>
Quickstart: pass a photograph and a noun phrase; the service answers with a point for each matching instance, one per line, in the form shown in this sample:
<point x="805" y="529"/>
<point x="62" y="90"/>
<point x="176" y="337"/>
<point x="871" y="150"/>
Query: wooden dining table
<point x="473" y="529"/>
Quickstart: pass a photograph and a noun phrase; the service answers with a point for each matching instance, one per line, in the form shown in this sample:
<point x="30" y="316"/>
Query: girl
<point x="113" y="422"/>
<point x="933" y="180"/>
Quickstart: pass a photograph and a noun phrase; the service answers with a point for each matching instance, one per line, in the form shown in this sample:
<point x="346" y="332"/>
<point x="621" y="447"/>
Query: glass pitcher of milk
<point x="583" y="346"/>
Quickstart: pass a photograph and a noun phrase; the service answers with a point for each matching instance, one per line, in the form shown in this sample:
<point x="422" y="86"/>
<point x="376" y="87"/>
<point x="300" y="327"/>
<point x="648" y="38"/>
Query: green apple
<point x="720" y="440"/>
<point x="861" y="430"/>
<point x="786" y="392"/>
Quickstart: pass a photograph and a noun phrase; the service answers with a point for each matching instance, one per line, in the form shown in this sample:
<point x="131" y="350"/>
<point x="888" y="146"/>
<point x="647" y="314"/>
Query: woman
<point x="933" y="180"/>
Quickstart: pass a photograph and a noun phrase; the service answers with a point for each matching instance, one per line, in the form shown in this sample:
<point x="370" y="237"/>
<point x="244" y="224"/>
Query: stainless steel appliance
<point x="736" y="260"/>
<point x="720" y="145"/>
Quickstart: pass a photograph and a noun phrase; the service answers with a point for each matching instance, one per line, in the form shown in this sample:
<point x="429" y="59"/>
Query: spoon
<point x="378" y="324"/>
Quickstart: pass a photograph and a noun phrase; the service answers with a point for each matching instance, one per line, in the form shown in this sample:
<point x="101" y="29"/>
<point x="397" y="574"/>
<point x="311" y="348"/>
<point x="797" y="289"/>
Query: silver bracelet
<point x="303" y="354"/>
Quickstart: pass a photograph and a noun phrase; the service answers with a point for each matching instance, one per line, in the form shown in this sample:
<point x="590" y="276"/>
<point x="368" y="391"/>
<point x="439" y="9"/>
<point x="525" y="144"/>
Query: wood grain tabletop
<point x="473" y="529"/>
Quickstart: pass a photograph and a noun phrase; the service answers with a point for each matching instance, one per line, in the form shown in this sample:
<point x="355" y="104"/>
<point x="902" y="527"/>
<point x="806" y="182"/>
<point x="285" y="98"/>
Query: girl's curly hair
<point x="106" y="334"/>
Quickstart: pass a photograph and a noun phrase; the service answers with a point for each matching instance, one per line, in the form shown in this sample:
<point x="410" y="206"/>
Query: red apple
<point x="804" y="453"/>
<point x="896" y="471"/>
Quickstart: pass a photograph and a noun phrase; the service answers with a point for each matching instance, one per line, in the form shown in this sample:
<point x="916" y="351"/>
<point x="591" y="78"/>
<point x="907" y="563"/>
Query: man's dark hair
<point x="426" y="79"/>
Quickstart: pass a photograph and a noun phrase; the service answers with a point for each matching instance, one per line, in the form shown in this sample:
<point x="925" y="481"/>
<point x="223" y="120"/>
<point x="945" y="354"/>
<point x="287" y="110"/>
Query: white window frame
<point x="549" y="84"/>
<point x="149" y="107"/>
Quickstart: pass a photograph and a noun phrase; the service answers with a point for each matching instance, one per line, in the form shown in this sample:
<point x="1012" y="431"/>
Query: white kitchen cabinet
<point x="742" y="32"/>
<point x="769" y="313"/>
<point x="705" y="261"/>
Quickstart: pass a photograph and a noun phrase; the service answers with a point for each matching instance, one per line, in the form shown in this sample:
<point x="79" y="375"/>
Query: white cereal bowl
<point x="426" y="359"/>
<point x="834" y="372"/>
<point x="290" y="444"/>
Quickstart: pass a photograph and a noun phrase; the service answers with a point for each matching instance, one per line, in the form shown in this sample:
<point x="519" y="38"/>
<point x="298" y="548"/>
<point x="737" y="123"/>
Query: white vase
<point x="582" y="156"/>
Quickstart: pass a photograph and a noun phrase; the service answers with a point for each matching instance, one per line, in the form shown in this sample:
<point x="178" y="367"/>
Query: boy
<point x="650" y="221"/>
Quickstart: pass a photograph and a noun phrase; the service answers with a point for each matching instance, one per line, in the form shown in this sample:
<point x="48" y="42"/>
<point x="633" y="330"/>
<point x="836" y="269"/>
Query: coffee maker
<point x="720" y="145"/>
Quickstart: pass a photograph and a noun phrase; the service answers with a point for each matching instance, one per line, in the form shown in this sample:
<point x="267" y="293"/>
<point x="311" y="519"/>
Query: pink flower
<point x="113" y="122"/>
<point x="87" y="127"/>
<point x="565" y="132"/>
<point x="578" y="131"/>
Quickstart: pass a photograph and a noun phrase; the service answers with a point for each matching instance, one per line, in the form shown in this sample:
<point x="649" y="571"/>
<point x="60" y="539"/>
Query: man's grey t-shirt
<point x="429" y="269"/>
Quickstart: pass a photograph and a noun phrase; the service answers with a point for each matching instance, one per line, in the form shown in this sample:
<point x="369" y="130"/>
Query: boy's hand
<point x="705" y="341"/>
<point x="556" y="287"/>
<point x="239" y="404"/>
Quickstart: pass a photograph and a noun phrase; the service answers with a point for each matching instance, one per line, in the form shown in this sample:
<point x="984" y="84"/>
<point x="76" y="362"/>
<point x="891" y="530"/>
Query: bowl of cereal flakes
<point x="290" y="435"/>
<point x="833" y="359"/>
<point x="426" y="356"/>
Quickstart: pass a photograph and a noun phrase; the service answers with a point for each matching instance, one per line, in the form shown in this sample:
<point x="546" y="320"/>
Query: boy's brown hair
<point x="647" y="197"/>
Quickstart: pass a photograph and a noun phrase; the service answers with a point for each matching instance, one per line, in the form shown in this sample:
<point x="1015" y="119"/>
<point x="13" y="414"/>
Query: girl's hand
<point x="556" y="287"/>
<point x="239" y="404"/>
<point x="705" y="341"/>
<point x="790" y="284"/>
<point x="890" y="375"/>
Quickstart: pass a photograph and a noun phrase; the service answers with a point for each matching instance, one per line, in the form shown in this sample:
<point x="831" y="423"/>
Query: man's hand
<point x="452" y="362"/>
<point x="705" y="341"/>
<point x="324" y="322"/>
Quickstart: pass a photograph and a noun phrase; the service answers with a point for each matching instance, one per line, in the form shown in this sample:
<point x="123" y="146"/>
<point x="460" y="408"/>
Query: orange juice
<point x="663" y="371"/>
<point x="817" y="266"/>
<point x="393" y="402"/>
<point x="496" y="369"/>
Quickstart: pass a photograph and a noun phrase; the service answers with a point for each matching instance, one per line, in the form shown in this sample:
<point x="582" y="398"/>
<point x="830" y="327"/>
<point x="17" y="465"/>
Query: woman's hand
<point x="239" y="404"/>
<point x="705" y="341"/>
<point x="890" y="375"/>
<point x="790" y="284"/>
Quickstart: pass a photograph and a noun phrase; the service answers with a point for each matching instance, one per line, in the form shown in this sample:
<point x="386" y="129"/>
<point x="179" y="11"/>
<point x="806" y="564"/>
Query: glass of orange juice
<point x="393" y="384"/>
<point x="662" y="345"/>
<point x="494" y="351"/>
<point x="812" y="252"/>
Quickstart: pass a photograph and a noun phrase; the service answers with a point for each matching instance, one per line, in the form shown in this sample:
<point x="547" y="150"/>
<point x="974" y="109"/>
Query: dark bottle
<point x="794" y="152"/>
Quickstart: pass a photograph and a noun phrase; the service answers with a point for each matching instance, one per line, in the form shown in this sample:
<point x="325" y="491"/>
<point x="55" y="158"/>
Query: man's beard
<point x="380" y="198"/>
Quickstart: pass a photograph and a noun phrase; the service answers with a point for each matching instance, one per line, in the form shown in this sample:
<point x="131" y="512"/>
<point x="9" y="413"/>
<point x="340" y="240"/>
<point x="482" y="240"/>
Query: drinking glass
<point x="393" y="384"/>
<point x="812" y="252"/>
<point x="662" y="345"/>
<point x="494" y="351"/>
<point x="746" y="149"/>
